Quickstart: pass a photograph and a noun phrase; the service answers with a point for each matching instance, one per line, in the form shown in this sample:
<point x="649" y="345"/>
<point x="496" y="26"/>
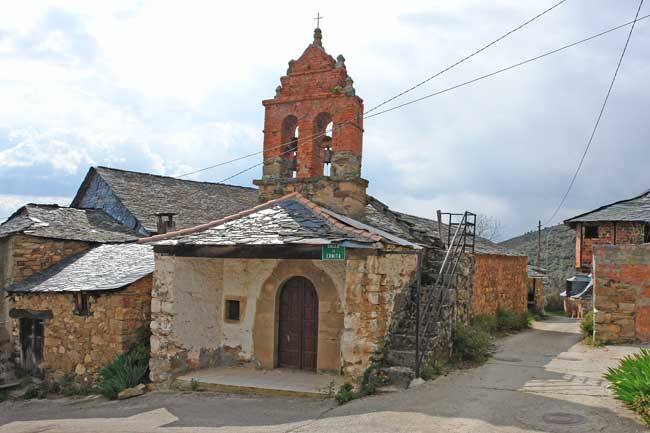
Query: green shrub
<point x="373" y="378"/>
<point x="471" y="343"/>
<point x="37" y="391"/>
<point x="125" y="371"/>
<point x="512" y="320"/>
<point x="432" y="370"/>
<point x="630" y="382"/>
<point x="4" y="395"/>
<point x="194" y="385"/>
<point x="486" y="322"/>
<point x="346" y="393"/>
<point x="587" y="325"/>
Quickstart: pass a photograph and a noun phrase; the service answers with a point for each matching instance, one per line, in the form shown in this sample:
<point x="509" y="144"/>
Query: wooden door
<point x="31" y="342"/>
<point x="298" y="327"/>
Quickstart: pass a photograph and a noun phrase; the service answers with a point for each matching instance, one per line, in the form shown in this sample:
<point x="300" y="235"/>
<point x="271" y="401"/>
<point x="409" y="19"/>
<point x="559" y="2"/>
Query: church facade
<point x="299" y="281"/>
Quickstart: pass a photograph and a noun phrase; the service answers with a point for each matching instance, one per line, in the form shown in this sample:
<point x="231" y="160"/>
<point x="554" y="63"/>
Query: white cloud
<point x="10" y="203"/>
<point x="169" y="88"/>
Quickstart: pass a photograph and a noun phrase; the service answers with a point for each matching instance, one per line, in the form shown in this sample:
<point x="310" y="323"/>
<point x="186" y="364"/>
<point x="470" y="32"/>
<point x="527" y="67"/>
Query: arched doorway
<point x="298" y="325"/>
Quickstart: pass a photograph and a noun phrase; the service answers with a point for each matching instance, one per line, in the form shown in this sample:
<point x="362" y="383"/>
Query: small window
<point x="232" y="310"/>
<point x="81" y="304"/>
<point x="591" y="232"/>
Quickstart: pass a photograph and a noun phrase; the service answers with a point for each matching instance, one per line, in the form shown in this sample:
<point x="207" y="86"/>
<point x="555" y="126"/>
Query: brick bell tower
<point x="313" y="133"/>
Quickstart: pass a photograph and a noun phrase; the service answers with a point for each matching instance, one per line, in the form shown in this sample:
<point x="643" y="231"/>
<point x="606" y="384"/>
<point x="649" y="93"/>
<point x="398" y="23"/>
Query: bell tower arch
<point x="323" y="161"/>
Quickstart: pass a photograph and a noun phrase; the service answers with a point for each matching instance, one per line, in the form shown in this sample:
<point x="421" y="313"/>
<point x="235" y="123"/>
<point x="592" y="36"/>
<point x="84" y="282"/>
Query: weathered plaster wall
<point x="99" y="195"/>
<point x="622" y="293"/>
<point x="499" y="281"/>
<point x="355" y="304"/>
<point x="82" y="345"/>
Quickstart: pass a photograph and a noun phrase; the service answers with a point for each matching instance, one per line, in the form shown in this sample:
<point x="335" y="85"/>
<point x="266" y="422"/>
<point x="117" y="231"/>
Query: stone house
<point x="36" y="237"/>
<point x="319" y="275"/>
<point x="536" y="294"/>
<point x="74" y="317"/>
<point x="111" y="206"/>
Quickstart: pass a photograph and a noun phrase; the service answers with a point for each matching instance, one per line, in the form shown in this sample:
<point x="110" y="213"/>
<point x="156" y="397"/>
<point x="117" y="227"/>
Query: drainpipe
<point x="418" y="285"/>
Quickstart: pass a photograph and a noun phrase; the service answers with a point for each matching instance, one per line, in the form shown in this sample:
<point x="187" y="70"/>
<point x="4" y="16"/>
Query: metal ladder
<point x="462" y="240"/>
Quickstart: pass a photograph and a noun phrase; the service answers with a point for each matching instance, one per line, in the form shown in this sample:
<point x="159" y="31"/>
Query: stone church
<point x="313" y="276"/>
<point x="306" y="271"/>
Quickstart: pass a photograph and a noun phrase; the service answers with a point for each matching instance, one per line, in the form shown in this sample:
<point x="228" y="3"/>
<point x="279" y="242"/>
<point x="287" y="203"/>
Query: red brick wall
<point x="609" y="233"/>
<point x="622" y="292"/>
<point x="313" y="85"/>
<point x="499" y="281"/>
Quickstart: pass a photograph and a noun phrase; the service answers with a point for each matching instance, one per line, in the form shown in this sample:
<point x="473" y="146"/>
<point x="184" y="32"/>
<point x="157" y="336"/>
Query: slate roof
<point x="536" y="272"/>
<point x="635" y="209"/>
<point x="421" y="230"/>
<point x="105" y="267"/>
<point x="289" y="220"/>
<point x="54" y="221"/>
<point x="193" y="202"/>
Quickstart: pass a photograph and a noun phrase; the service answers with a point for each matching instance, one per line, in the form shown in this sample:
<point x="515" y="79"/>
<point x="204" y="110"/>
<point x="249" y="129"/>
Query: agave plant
<point x="630" y="382"/>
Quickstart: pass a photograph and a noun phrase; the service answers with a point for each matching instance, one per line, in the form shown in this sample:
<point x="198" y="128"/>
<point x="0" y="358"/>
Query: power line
<point x="600" y="115"/>
<point x="485" y="47"/>
<point x="516" y="65"/>
<point x="482" y="77"/>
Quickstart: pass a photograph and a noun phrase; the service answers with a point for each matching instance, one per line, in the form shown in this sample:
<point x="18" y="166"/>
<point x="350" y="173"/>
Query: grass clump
<point x="508" y="321"/>
<point x="4" y="395"/>
<point x="630" y="382"/>
<point x="432" y="370"/>
<point x="126" y="371"/>
<point x="346" y="393"/>
<point x="471" y="343"/>
<point x="486" y="322"/>
<point x="373" y="378"/>
<point x="587" y="325"/>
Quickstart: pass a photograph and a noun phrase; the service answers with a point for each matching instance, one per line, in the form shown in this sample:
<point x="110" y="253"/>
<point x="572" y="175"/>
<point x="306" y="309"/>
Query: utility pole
<point x="539" y="243"/>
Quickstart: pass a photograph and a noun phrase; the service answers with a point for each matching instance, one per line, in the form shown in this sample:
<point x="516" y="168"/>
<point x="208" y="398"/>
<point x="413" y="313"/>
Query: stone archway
<point x="330" y="315"/>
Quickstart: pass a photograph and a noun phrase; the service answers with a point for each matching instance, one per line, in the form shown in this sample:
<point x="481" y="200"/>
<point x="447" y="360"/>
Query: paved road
<point x="541" y="380"/>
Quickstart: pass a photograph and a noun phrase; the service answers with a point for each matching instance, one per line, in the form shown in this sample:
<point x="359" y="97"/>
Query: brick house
<point x="612" y="246"/>
<point x="621" y="222"/>
<point x="312" y="277"/>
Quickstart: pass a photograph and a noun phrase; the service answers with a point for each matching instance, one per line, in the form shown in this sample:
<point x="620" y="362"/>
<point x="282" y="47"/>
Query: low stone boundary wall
<point x="622" y="293"/>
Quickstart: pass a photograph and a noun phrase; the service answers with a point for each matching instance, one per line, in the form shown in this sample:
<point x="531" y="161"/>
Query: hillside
<point x="558" y="256"/>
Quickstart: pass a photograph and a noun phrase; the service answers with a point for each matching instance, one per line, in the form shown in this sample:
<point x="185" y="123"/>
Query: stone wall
<point x="82" y="345"/>
<point x="21" y="256"/>
<point x="355" y="296"/>
<point x="622" y="293"/>
<point x="609" y="233"/>
<point x="499" y="281"/>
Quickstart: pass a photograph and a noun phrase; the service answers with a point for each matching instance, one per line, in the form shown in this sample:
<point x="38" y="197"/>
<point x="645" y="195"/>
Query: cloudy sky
<point x="168" y="87"/>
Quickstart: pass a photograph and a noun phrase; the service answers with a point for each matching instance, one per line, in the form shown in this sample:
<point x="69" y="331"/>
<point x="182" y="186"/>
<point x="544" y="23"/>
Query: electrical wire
<point x="600" y="115"/>
<point x="482" y="77"/>
<point x="485" y="47"/>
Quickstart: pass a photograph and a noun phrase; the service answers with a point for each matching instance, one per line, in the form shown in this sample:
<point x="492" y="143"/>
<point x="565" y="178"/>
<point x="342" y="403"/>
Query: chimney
<point x="165" y="223"/>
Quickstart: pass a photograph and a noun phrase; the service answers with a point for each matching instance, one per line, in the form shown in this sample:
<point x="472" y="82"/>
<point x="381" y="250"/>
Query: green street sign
<point x="332" y="252"/>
